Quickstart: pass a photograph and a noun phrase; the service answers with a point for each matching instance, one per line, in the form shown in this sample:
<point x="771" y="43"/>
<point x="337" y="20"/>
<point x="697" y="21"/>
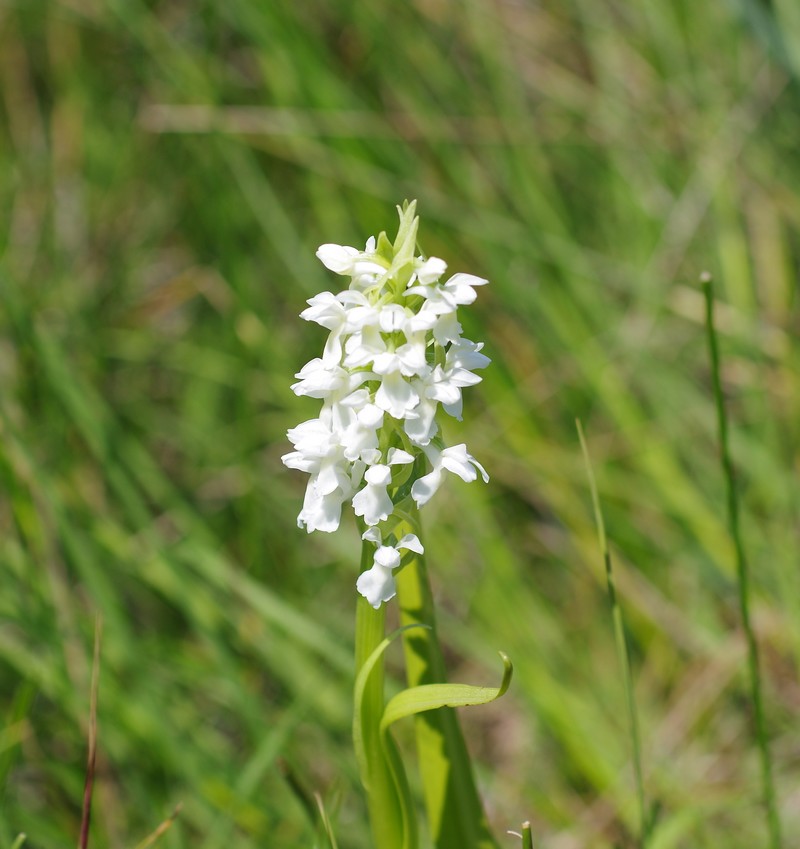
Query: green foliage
<point x="167" y="170"/>
<point x="742" y="575"/>
<point x="383" y="775"/>
<point x="391" y="807"/>
<point x="623" y="654"/>
<point x="415" y="700"/>
<point x="455" y="815"/>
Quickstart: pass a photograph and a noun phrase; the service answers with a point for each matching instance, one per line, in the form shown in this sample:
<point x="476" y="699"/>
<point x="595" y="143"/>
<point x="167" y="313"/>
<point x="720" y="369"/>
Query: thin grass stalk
<point x="623" y="655"/>
<point x="327" y="826"/>
<point x="455" y="814"/>
<point x="742" y="573"/>
<point x="299" y="791"/>
<point x="91" y="758"/>
<point x="162" y="828"/>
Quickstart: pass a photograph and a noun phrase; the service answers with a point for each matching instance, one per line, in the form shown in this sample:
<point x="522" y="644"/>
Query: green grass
<point x="590" y="158"/>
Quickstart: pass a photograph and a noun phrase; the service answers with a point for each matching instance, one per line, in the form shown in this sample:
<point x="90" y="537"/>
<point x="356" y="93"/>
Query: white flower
<point x="326" y="310"/>
<point x="454" y="459"/>
<point x="462" y="357"/>
<point x="373" y="501"/>
<point x="393" y="317"/>
<point x="359" y="436"/>
<point x="360" y="313"/>
<point x="318" y="380"/>
<point x="435" y="387"/>
<point x="396" y="395"/>
<point x="420" y="422"/>
<point x="343" y="259"/>
<point x="393" y="355"/>
<point x="441" y="303"/>
<point x="338" y="258"/>
<point x="446" y="327"/>
<point x="430" y="270"/>
<point x="333" y="478"/>
<point x="444" y="385"/>
<point x="409" y="359"/>
<point x="377" y="584"/>
<point x="322" y="511"/>
<point x="313" y="440"/>
<point x="460" y="287"/>
<point x="365" y="267"/>
<point x="362" y="347"/>
<point x="459" y="290"/>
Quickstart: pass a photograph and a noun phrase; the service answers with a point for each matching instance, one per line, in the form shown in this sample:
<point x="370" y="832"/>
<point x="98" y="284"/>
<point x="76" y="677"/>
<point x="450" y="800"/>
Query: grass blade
<point x="621" y="642"/>
<point x="160" y="829"/>
<point x="743" y="581"/>
<point x="86" y="815"/>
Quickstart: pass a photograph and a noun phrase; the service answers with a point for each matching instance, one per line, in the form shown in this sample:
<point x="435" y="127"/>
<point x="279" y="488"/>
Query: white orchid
<point x="430" y="270"/>
<point x="373" y="501"/>
<point x="393" y="356"/>
<point x="455" y="459"/>
<point x="363" y="266"/>
<point x="457" y="291"/>
<point x="377" y="584"/>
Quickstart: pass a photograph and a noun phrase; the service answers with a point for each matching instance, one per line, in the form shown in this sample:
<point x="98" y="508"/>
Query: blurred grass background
<point x="167" y="170"/>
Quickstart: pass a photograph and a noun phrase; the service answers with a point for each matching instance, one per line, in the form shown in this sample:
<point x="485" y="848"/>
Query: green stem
<point x="384" y="810"/>
<point x="768" y="789"/>
<point x="455" y="813"/>
<point x="527" y="836"/>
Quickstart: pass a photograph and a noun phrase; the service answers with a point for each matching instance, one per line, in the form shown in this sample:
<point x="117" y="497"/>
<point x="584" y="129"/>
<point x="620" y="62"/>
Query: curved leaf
<point x="359" y="708"/>
<point x="382" y="774"/>
<point x="432" y="696"/>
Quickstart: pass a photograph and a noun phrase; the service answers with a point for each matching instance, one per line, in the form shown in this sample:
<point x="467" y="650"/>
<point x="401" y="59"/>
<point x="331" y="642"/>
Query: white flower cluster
<point x="394" y="354"/>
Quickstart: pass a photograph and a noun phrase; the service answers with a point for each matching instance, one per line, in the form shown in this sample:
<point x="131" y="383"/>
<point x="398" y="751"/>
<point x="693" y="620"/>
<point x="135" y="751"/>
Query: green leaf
<point x="432" y="696"/>
<point x="362" y="707"/>
<point x="379" y="761"/>
<point x="455" y="815"/>
<point x="391" y="807"/>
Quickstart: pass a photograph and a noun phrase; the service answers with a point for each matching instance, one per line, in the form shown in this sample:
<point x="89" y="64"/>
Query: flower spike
<point x="394" y="356"/>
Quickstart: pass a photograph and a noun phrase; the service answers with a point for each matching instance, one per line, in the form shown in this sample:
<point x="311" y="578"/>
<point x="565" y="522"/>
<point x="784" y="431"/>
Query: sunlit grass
<point x="590" y="159"/>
